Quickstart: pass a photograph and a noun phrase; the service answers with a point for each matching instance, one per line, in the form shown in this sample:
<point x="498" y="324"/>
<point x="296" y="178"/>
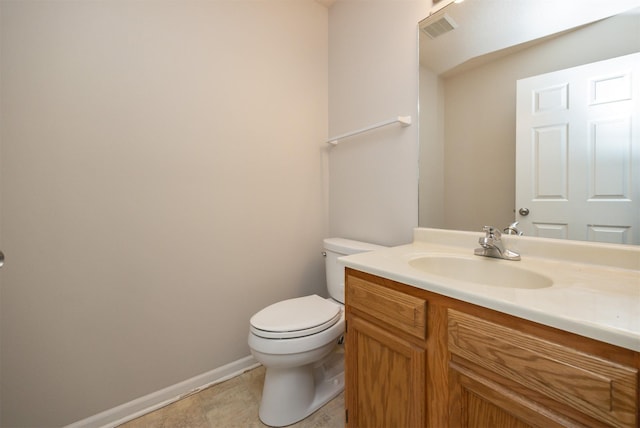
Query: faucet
<point x="491" y="246"/>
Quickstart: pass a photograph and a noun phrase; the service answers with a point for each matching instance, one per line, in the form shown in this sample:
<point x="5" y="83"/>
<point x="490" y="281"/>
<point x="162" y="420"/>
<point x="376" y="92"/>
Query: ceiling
<point x="490" y="21"/>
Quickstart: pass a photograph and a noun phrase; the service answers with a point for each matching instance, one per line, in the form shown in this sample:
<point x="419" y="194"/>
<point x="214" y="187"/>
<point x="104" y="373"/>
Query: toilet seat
<point x="302" y="316"/>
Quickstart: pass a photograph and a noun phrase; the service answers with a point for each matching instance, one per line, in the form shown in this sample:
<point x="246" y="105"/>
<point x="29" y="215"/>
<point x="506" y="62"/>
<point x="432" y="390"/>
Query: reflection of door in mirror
<point x="577" y="152"/>
<point x="468" y="95"/>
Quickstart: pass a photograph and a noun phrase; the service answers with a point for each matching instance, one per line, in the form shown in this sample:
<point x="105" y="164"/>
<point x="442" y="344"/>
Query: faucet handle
<point x="512" y="229"/>
<point x="491" y="232"/>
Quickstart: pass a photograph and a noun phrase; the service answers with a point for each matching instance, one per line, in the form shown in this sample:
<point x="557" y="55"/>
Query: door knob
<point x="524" y="211"/>
<point x="1" y="258"/>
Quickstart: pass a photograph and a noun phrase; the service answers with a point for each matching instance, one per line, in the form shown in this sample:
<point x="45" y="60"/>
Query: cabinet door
<point x="476" y="401"/>
<point x="385" y="378"/>
<point x="584" y="387"/>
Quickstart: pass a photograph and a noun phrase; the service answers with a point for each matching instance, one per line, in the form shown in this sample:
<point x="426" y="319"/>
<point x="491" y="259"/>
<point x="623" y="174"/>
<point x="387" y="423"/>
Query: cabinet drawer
<point x="404" y="312"/>
<point x="602" y="389"/>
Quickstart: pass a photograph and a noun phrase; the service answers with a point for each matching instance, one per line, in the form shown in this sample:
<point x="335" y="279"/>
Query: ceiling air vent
<point x="442" y="25"/>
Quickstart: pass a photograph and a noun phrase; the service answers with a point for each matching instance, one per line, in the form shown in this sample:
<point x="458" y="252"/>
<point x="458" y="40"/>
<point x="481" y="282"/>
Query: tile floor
<point x="232" y="404"/>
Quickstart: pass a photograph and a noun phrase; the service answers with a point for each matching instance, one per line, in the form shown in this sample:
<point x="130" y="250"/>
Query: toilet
<point x="298" y="342"/>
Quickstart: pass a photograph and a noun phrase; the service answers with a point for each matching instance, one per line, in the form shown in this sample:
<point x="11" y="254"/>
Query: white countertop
<point x="595" y="291"/>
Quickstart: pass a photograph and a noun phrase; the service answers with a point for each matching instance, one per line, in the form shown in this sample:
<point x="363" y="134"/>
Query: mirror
<point x="467" y="94"/>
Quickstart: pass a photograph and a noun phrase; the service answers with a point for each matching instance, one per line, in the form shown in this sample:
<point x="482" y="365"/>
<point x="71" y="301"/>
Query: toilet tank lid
<point x="348" y="246"/>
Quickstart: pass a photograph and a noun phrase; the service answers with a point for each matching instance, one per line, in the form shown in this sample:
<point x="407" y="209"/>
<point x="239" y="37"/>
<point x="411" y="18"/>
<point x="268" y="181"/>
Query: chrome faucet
<point x="491" y="246"/>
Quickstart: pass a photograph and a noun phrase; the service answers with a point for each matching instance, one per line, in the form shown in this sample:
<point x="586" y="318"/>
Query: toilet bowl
<point x="303" y="373"/>
<point x="299" y="340"/>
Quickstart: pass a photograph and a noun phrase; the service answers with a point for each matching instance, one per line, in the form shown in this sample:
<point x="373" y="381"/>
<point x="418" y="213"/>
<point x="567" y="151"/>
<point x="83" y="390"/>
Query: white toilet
<point x="297" y="340"/>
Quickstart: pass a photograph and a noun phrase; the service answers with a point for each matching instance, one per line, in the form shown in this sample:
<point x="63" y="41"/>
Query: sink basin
<point x="481" y="270"/>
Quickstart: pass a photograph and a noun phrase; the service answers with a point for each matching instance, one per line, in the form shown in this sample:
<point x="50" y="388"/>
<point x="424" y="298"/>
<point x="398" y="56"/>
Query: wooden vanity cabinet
<point x="419" y="359"/>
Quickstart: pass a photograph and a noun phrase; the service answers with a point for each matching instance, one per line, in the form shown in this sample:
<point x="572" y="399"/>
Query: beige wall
<point x="162" y="180"/>
<point x="373" y="77"/>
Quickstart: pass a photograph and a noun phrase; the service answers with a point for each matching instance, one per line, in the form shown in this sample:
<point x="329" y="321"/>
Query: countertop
<point x="595" y="291"/>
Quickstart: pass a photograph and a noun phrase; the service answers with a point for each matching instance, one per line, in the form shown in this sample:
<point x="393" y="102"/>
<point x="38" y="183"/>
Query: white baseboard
<point x="148" y="403"/>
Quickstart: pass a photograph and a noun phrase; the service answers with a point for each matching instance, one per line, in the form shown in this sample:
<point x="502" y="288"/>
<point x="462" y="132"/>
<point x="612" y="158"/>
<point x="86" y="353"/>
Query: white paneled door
<point x="578" y="152"/>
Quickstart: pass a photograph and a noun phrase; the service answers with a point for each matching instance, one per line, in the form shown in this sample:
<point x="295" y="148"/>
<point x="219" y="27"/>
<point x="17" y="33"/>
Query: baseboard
<point x="148" y="403"/>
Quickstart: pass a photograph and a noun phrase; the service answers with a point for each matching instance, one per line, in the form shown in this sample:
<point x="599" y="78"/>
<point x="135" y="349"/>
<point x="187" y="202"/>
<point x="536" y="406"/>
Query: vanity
<point x="439" y="337"/>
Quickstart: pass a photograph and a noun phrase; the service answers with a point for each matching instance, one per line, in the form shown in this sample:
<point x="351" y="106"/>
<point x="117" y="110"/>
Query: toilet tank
<point x="338" y="247"/>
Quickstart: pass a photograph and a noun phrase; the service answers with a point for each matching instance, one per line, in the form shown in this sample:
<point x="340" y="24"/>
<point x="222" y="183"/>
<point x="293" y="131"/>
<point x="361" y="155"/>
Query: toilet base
<point x="290" y="395"/>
